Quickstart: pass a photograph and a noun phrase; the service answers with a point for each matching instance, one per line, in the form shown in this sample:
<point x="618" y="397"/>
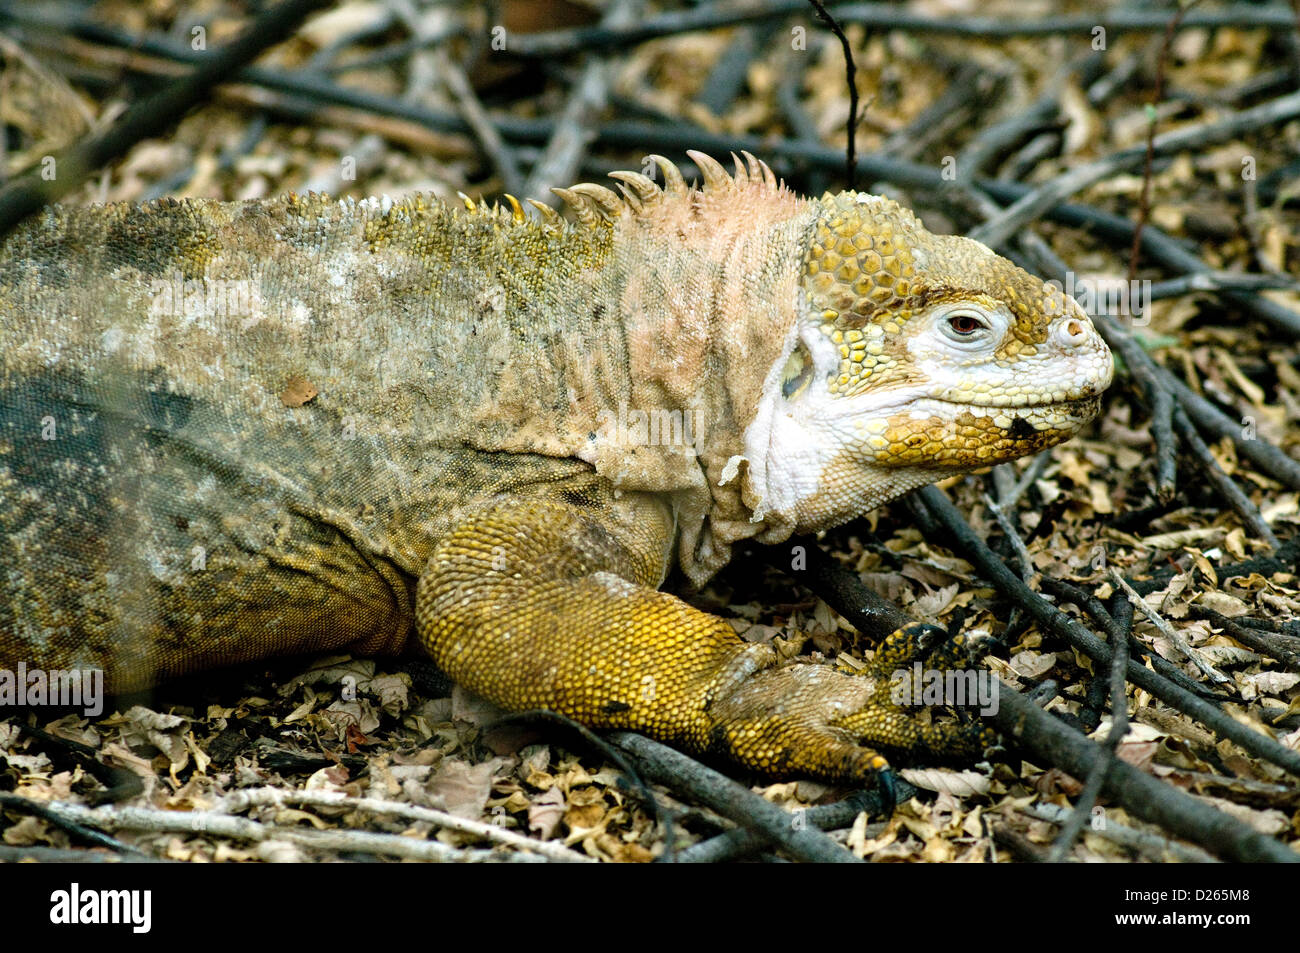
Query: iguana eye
<point x="971" y="327"/>
<point x="965" y="324"/>
<point x="796" y="373"/>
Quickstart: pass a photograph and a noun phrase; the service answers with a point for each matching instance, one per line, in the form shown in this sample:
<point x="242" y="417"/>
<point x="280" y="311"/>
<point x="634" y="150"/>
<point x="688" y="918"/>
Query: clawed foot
<point x="807" y="719"/>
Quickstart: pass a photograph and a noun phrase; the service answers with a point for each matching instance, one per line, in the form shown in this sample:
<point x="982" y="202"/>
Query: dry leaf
<point x="947" y="781"/>
<point x="462" y="788"/>
<point x="545" y="813"/>
<point x="1267" y="683"/>
<point x="1030" y="664"/>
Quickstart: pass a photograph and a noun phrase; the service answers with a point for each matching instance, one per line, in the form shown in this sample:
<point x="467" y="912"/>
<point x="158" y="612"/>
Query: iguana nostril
<point x="1072" y="333"/>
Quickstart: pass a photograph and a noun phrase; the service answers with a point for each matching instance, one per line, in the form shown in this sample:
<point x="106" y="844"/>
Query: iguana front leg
<point x="543" y="604"/>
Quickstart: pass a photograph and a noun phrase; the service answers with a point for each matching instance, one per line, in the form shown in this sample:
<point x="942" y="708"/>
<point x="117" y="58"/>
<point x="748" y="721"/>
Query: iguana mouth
<point x="1012" y="410"/>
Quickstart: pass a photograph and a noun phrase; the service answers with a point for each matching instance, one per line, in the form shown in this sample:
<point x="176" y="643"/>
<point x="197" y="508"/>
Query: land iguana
<point x="232" y="430"/>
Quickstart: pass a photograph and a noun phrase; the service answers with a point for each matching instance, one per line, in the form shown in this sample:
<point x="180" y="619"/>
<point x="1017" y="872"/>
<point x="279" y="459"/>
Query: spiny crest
<point x="515" y="213"/>
<point x="594" y="203"/>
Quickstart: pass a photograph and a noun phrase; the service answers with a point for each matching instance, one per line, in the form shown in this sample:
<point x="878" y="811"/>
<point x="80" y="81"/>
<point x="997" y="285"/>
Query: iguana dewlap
<point x="230" y="430"/>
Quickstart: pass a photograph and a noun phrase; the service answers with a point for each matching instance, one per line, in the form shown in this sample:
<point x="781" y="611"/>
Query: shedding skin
<point x="236" y="430"/>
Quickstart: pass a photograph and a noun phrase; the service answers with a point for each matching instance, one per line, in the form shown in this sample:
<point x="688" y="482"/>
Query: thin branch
<point x="1224" y="484"/>
<point x="884" y="16"/>
<point x="836" y="584"/>
<point x="152" y="116"/>
<point x="729" y="73"/>
<point x="241" y="800"/>
<point x="1267" y="643"/>
<point x="67" y="855"/>
<point x="851" y="80"/>
<point x="1027" y="570"/>
<point x="681" y="773"/>
<point x="76" y="829"/>
<point x="1052" y="620"/>
<point x="1152" y="845"/>
<point x="1220" y="281"/>
<point x="1144" y="201"/>
<point x="191" y="823"/>
<point x="970" y="86"/>
<point x="1037" y="202"/>
<point x="573" y="133"/>
<point x="489" y="137"/>
<point x="740" y="843"/>
<point x="1167" y="630"/>
<point x="1020" y="846"/>
<point x="1082" y="812"/>
<point x="1120" y="628"/>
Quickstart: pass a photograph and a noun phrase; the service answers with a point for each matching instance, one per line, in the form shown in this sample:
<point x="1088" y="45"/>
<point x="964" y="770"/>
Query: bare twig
<point x="675" y="770"/>
<point x="1226" y="488"/>
<point x="489" y="138"/>
<point x="75" y="828"/>
<point x="1144" y="201"/>
<point x="1027" y="157"/>
<point x="1119" y="627"/>
<point x="1020" y="846"/>
<point x="151" y="116"/>
<point x="241" y="800"/>
<point x="1052" y="620"/>
<point x="1082" y="812"/>
<point x="69" y="855"/>
<point x="1051" y="193"/>
<point x="741" y="843"/>
<point x="1168" y="631"/>
<point x="851" y="80"/>
<point x="1027" y="570"/>
<point x="1266" y="642"/>
<point x="952" y="109"/>
<point x="1219" y="281"/>
<point x="1270" y="458"/>
<point x="1151" y="845"/>
<point x="996" y="139"/>
<point x="885" y="16"/>
<point x="151" y="820"/>
<point x="728" y="75"/>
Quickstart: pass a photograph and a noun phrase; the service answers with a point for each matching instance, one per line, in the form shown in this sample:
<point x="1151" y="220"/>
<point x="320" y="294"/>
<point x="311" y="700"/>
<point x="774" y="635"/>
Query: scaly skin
<point x="236" y="430"/>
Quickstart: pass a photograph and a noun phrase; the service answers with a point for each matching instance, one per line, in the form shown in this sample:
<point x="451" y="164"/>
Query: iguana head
<point x="839" y="355"/>
<point x="914" y="356"/>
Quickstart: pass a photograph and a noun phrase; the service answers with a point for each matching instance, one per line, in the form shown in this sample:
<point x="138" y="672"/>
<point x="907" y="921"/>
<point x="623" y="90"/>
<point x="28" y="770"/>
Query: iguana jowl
<point x="233" y="430"/>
